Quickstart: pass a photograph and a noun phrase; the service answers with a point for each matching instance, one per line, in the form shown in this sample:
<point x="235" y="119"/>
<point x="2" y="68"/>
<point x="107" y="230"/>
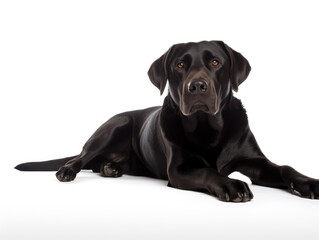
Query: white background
<point x="68" y="66"/>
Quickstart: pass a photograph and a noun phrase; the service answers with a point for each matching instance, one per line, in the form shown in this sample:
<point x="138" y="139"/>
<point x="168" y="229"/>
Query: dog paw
<point x="305" y="187"/>
<point x="232" y="191"/>
<point x="110" y="170"/>
<point x="66" y="174"/>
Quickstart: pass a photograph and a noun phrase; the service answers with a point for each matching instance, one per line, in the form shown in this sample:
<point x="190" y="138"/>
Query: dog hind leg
<point x="111" y="140"/>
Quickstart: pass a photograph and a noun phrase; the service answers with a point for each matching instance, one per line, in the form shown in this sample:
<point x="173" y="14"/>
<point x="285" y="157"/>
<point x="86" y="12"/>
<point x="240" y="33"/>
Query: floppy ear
<point x="239" y="68"/>
<point x="158" y="73"/>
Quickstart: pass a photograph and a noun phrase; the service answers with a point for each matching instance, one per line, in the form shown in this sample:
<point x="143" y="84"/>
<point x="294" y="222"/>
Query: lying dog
<point x="195" y="140"/>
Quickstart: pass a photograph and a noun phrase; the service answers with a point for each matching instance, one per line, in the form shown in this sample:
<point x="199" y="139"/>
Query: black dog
<point x="195" y="140"/>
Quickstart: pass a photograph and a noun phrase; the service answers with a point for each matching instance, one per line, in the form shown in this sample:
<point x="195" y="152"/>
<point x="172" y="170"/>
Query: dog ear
<point x="158" y="71"/>
<point x="239" y="68"/>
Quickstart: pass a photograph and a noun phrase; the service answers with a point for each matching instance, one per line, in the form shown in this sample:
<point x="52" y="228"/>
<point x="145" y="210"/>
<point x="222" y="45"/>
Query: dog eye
<point x="180" y="64"/>
<point x="215" y="62"/>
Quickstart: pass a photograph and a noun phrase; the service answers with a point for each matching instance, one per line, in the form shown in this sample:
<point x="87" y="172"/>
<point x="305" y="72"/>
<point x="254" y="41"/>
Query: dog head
<point x="200" y="75"/>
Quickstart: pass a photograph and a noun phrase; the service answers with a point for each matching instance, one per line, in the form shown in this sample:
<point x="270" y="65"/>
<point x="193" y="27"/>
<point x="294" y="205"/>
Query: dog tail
<point x="51" y="165"/>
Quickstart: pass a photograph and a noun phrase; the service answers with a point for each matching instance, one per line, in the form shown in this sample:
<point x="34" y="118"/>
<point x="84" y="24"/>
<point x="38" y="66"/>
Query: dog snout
<point x="198" y="86"/>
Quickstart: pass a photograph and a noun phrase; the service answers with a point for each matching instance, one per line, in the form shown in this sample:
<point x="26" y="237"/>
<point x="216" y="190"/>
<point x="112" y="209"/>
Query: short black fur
<point x="195" y="140"/>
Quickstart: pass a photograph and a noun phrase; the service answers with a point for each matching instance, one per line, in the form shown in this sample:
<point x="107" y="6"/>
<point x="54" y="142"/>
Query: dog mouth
<point x="199" y="107"/>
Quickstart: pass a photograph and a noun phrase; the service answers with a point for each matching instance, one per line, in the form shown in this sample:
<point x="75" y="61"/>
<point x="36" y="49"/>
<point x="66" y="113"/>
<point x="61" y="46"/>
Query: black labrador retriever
<point x="195" y="140"/>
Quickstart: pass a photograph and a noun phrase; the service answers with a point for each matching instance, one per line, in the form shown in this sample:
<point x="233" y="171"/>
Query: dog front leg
<point x="252" y="163"/>
<point x="204" y="179"/>
<point x="263" y="172"/>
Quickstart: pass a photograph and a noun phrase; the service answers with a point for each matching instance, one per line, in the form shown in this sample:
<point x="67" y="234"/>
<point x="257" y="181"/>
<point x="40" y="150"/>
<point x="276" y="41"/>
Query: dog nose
<point x="198" y="86"/>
